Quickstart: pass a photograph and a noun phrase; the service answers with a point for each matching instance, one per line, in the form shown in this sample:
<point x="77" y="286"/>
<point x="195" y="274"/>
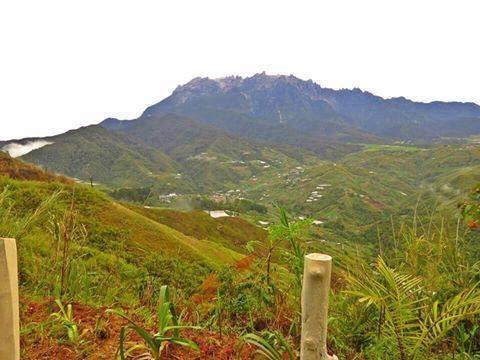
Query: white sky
<point x="68" y="63"/>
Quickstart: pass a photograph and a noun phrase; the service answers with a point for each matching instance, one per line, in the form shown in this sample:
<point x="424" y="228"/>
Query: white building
<point x="217" y="214"/>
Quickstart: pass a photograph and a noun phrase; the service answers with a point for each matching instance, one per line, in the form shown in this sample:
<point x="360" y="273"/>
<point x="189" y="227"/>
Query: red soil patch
<point x="102" y="342"/>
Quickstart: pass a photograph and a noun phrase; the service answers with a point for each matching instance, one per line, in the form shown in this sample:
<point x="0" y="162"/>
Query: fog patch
<point x="17" y="149"/>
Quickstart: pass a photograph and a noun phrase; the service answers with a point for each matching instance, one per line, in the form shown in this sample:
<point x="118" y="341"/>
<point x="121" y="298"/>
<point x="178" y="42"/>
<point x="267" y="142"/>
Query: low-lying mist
<point x="17" y="149"/>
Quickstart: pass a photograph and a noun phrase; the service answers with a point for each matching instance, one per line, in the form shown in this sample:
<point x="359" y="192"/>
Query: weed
<point x="168" y="330"/>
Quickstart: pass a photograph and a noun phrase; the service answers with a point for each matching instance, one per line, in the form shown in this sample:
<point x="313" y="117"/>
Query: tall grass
<point x="15" y="223"/>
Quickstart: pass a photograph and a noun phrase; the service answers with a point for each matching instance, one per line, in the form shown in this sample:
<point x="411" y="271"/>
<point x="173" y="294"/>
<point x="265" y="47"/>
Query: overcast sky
<point x="64" y="64"/>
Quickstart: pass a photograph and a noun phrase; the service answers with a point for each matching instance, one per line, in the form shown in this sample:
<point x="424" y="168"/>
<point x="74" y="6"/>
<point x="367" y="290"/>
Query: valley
<point x="219" y="190"/>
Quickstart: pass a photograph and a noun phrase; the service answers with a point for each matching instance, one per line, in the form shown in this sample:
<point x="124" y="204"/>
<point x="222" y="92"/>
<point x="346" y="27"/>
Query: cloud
<point x="16" y="149"/>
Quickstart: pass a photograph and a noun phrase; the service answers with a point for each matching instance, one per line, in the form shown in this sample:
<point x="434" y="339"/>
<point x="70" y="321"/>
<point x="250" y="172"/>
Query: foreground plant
<point x="272" y="345"/>
<point x="65" y="317"/>
<point x="168" y="331"/>
<point x="279" y="234"/>
<point x="407" y="316"/>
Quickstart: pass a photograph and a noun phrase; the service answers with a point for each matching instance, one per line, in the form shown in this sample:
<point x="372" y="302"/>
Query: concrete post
<point x="9" y="311"/>
<point x="315" y="289"/>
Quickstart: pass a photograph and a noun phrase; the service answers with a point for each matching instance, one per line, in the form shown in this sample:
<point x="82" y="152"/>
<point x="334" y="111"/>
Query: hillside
<point x="17" y="169"/>
<point x="357" y="197"/>
<point x="196" y="236"/>
<point x="108" y="157"/>
<point x="109" y="224"/>
<point x="232" y="232"/>
<point x="362" y="188"/>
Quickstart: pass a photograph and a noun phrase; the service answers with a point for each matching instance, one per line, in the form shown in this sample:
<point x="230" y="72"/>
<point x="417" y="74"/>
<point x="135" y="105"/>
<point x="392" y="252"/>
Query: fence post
<point x="9" y="311"/>
<point x="316" y="286"/>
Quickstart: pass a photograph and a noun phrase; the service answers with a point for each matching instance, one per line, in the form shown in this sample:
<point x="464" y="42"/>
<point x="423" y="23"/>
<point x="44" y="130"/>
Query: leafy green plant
<point x="74" y="336"/>
<point x="272" y="345"/>
<point x="292" y="231"/>
<point x="466" y="340"/>
<point x="278" y="234"/>
<point x="168" y="330"/>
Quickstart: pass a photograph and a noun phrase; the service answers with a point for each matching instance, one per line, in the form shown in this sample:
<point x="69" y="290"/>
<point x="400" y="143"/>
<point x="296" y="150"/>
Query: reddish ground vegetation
<point x="19" y="170"/>
<point x="375" y="203"/>
<point x="101" y="332"/>
<point x="207" y="290"/>
<point x="473" y="225"/>
<point x="245" y="263"/>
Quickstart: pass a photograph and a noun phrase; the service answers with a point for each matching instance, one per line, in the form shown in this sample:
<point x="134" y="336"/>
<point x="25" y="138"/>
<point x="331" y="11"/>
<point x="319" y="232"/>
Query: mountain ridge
<point x="310" y="108"/>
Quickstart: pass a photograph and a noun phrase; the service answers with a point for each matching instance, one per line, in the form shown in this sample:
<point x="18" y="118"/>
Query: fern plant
<point x="168" y="331"/>
<point x="407" y="317"/>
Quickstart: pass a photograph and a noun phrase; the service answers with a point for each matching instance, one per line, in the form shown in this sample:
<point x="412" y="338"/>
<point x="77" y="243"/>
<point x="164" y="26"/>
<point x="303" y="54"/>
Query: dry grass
<point x="19" y="170"/>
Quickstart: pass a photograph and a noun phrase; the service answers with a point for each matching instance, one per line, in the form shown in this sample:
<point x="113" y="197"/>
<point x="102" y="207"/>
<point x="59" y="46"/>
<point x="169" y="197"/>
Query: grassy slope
<point x="152" y="235"/>
<point x="109" y="157"/>
<point x="138" y="228"/>
<point x="20" y="170"/>
<point x="229" y="231"/>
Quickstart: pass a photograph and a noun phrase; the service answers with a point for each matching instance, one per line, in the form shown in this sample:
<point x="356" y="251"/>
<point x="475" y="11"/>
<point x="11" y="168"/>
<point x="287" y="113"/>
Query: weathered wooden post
<point x="316" y="286"/>
<point x="9" y="313"/>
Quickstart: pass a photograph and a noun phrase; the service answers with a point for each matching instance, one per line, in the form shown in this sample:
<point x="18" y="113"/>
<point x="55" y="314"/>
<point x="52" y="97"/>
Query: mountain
<point x="280" y="108"/>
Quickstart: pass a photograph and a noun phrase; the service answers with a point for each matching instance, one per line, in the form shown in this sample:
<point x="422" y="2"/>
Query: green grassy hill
<point x="232" y="232"/>
<point x="108" y="157"/>
<point x="362" y="188"/>
<point x="359" y="195"/>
